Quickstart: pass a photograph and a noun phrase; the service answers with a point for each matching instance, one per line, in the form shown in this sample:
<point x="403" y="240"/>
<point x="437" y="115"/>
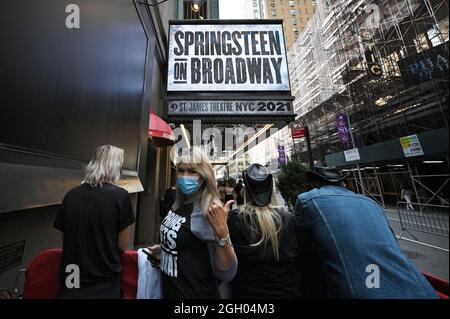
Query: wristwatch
<point x="225" y="241"/>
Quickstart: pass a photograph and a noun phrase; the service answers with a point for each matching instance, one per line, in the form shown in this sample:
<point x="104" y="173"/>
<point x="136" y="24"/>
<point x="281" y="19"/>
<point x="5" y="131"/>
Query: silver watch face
<point x="223" y="242"/>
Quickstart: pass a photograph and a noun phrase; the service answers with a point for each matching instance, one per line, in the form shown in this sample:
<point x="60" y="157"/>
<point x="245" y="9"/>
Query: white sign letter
<point x="73" y="279"/>
<point x="73" y="19"/>
<point x="373" y="280"/>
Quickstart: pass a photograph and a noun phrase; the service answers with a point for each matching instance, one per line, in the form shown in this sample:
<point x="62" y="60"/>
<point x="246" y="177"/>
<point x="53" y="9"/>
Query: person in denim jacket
<point x="348" y="236"/>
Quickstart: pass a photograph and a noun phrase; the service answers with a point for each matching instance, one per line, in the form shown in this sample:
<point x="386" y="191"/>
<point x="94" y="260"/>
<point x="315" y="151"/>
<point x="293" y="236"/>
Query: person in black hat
<point x="265" y="242"/>
<point x="346" y="241"/>
<point x="326" y="176"/>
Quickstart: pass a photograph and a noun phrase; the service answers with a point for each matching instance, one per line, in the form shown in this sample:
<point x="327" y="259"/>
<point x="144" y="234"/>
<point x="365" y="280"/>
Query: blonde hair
<point x="199" y="162"/>
<point x="105" y="166"/>
<point x="266" y="220"/>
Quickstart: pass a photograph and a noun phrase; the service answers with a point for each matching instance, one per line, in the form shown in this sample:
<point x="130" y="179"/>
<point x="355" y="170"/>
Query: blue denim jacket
<point x="349" y="234"/>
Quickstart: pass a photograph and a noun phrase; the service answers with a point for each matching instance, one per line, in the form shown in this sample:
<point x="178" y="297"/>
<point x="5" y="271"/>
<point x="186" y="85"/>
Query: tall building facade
<point x="382" y="68"/>
<point x="248" y="9"/>
<point x="265" y="152"/>
<point x="295" y="15"/>
<point x="237" y="166"/>
<point x="256" y="9"/>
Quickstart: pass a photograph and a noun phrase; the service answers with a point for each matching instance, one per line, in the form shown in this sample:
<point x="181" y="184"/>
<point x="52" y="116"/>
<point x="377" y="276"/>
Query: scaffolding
<point x="347" y="62"/>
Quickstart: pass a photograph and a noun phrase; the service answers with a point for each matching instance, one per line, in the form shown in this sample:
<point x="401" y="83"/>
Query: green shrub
<point x="292" y="182"/>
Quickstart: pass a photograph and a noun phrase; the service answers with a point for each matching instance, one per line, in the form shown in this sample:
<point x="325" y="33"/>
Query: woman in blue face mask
<point x="195" y="251"/>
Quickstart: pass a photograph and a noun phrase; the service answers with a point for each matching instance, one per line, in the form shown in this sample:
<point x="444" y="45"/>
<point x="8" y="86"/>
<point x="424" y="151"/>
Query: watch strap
<point x="224" y="241"/>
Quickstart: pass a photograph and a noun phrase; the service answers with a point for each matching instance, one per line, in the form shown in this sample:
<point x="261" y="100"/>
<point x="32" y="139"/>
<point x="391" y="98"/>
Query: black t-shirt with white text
<point x="185" y="262"/>
<point x="91" y="219"/>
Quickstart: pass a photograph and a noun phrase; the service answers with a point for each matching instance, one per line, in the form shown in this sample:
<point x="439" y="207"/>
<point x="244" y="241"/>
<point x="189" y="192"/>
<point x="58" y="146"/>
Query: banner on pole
<point x="281" y="155"/>
<point x="343" y="129"/>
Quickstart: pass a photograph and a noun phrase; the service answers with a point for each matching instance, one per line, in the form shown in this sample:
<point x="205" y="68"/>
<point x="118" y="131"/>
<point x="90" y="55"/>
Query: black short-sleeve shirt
<point x="91" y="219"/>
<point x="259" y="274"/>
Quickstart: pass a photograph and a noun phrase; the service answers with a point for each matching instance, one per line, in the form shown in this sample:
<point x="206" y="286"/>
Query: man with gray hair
<point x="94" y="219"/>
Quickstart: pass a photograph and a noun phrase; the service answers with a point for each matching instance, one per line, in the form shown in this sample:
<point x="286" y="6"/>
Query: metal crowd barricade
<point x="425" y="218"/>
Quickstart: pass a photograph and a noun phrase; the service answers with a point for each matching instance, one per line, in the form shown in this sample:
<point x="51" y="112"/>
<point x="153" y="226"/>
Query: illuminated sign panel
<point x="227" y="57"/>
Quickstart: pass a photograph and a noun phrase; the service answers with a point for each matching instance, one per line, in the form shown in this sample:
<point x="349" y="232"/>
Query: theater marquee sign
<point x="228" y="65"/>
<point x="230" y="107"/>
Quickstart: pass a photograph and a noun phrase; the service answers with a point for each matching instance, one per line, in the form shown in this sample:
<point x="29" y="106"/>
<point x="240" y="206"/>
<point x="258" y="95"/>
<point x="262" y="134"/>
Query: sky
<point x="232" y="9"/>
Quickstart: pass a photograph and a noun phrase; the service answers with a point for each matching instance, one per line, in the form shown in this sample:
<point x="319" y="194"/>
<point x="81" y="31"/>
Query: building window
<point x="300" y="11"/>
<point x="294" y="21"/>
<point x="274" y="13"/>
<point x="306" y="11"/>
<point x="291" y="3"/>
<point x="292" y="12"/>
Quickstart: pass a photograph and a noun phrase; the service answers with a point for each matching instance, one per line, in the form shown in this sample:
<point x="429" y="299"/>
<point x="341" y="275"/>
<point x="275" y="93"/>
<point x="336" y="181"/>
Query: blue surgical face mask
<point x="188" y="185"/>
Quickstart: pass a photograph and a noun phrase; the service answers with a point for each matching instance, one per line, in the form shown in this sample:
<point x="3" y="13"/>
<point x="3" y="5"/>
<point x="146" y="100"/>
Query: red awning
<point x="160" y="132"/>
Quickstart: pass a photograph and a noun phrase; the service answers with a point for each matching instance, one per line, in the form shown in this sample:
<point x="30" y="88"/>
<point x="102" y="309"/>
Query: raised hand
<point x="217" y="218"/>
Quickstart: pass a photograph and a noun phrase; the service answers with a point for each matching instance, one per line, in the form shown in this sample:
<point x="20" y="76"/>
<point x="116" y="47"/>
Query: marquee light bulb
<point x="195" y="7"/>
